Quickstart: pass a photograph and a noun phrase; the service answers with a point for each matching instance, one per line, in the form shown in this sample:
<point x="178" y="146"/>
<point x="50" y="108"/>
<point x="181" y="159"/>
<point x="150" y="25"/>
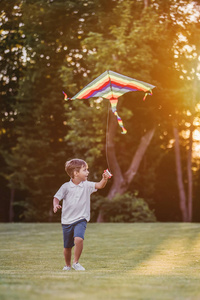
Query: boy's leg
<point x="79" y="232"/>
<point x="67" y="255"/>
<point x="68" y="243"/>
<point x="78" y="248"/>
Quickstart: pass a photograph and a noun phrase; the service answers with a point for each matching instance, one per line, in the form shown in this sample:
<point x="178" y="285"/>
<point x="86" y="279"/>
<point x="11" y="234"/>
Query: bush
<point x="124" y="208"/>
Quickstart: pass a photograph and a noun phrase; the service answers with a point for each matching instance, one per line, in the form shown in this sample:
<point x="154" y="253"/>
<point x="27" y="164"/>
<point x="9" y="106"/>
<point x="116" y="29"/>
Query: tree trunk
<point x="182" y="195"/>
<point x="12" y="197"/>
<point x="146" y="3"/>
<point x="189" y="162"/>
<point x="120" y="181"/>
<point x="122" y="185"/>
<point x="189" y="172"/>
<point x="111" y="157"/>
<point x="144" y="143"/>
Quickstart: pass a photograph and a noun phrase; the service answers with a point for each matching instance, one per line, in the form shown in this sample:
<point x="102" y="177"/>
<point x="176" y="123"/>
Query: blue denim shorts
<point x="73" y="230"/>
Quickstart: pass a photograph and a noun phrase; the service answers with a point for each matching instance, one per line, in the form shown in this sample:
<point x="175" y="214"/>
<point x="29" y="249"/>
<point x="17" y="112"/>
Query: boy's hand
<point x="105" y="176"/>
<point x="56" y="208"/>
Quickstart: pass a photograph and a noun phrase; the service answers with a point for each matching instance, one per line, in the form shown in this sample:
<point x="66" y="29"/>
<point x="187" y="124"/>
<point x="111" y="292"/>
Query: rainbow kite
<point x="111" y="85"/>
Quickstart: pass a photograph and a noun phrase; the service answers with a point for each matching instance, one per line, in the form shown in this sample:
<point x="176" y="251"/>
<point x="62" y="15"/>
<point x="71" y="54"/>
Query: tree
<point x="188" y="53"/>
<point x="128" y="48"/>
<point x="122" y="49"/>
<point x="36" y="161"/>
<point x="11" y="63"/>
<point x="140" y="39"/>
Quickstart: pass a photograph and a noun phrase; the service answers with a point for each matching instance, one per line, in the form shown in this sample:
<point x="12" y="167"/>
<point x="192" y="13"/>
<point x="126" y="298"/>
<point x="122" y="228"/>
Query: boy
<point x="76" y="208"/>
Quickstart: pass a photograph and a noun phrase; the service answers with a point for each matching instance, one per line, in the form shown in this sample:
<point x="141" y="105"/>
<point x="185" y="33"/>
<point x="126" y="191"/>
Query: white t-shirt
<point x="76" y="201"/>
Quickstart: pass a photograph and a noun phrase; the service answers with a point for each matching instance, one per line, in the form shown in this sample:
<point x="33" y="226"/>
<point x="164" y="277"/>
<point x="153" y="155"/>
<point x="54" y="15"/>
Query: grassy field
<point x="123" y="261"/>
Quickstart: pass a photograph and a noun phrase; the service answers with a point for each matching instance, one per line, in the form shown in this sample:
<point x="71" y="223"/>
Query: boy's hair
<point x="74" y="165"/>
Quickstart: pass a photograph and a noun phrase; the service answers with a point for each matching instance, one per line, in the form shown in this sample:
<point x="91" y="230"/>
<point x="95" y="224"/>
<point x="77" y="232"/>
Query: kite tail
<point x="146" y="94"/>
<point x="124" y="131"/>
<point x="114" y="102"/>
<point x="65" y="95"/>
<point x="66" y="98"/>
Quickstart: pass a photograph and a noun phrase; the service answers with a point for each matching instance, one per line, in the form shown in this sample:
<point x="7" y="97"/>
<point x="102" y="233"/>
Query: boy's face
<point x="83" y="173"/>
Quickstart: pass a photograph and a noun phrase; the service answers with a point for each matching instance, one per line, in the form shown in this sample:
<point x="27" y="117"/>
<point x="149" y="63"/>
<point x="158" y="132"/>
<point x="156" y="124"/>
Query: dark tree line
<point x="51" y="46"/>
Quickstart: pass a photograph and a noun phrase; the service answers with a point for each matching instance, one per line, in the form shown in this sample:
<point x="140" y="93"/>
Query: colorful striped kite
<point x="112" y="85"/>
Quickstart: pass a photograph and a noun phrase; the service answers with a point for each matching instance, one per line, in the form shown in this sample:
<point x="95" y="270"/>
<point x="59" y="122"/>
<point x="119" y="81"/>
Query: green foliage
<point x="133" y="43"/>
<point x="125" y="208"/>
<point x="86" y="136"/>
<point x="50" y="46"/>
<point x="36" y="159"/>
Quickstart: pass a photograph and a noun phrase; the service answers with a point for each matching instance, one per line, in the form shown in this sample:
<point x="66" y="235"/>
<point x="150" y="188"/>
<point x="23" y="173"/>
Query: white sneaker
<point x="78" y="267"/>
<point x="66" y="268"/>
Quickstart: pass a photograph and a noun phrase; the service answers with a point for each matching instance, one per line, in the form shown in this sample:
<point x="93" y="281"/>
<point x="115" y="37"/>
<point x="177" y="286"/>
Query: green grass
<point x="123" y="261"/>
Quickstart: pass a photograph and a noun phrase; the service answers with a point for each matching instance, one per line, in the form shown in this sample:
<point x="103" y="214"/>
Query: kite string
<point x="107" y="136"/>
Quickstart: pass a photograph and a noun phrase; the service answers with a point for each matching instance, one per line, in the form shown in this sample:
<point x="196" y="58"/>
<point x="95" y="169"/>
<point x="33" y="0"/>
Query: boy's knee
<point x="78" y="240"/>
<point x="67" y="250"/>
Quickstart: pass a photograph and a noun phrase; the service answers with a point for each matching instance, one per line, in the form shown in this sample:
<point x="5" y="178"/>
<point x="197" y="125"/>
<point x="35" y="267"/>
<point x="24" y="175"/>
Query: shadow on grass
<point x="127" y="246"/>
<point x="150" y="261"/>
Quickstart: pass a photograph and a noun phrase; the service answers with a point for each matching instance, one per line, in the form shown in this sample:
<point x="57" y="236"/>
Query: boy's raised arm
<point x="101" y="184"/>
